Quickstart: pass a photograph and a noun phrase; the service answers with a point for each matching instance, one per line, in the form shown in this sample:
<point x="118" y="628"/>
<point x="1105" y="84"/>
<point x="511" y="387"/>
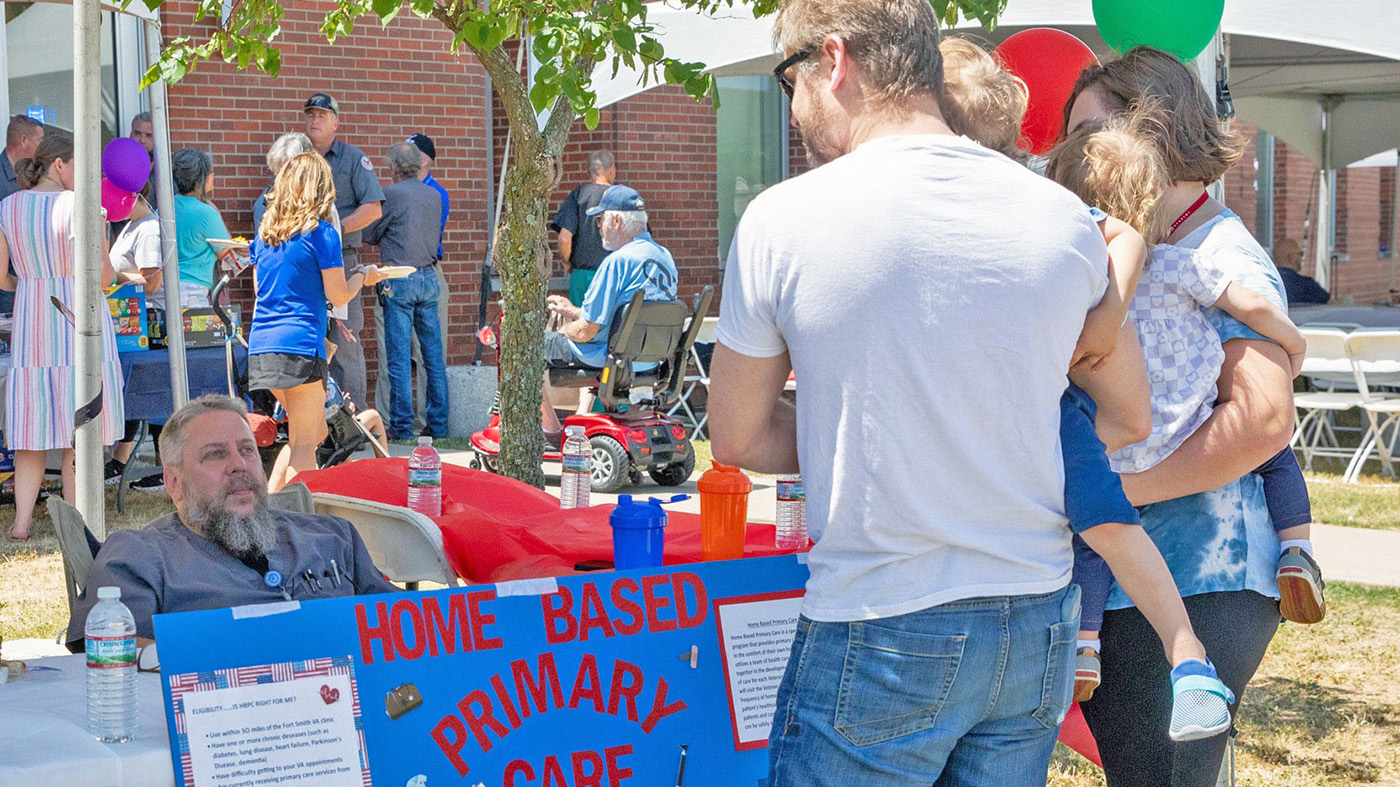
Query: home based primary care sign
<point x="601" y="680"/>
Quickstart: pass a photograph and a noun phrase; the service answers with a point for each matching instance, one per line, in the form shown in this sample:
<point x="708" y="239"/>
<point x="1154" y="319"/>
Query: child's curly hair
<point x="1117" y="167"/>
<point x="981" y="100"/>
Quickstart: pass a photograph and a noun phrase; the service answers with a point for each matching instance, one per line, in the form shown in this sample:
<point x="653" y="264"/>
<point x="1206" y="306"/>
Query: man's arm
<point x="1253" y="420"/>
<point x="566" y="248"/>
<point x="362" y="217"/>
<point x="751" y="426"/>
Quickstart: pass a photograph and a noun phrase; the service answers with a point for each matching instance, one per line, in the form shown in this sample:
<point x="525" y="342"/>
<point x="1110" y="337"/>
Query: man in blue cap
<point x="636" y="263"/>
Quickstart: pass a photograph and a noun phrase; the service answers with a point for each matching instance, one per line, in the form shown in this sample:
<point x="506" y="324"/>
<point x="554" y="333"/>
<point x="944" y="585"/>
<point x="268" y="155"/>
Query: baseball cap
<point x="619" y="197"/>
<point x="424" y="143"/>
<point x="322" y="101"/>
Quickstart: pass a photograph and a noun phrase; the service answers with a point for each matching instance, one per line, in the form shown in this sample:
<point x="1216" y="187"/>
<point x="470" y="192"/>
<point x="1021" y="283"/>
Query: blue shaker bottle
<point x="639" y="532"/>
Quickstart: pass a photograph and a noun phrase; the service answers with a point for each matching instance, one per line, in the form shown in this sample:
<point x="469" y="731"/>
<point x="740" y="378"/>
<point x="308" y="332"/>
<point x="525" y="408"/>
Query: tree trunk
<point x="522" y="257"/>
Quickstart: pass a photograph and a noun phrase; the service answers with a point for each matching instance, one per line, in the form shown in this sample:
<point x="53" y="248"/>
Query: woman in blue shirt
<point x="197" y="221"/>
<point x="1204" y="510"/>
<point x="298" y="267"/>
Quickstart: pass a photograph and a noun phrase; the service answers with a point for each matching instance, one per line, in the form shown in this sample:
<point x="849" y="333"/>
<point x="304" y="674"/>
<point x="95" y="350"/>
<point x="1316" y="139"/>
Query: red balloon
<point x="1048" y="61"/>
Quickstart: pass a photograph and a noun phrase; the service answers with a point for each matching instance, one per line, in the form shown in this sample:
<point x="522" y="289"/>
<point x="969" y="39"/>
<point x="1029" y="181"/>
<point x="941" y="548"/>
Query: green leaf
<point x="651" y="49"/>
<point x="625" y="39"/>
<point x="590" y="119"/>
<point x="543" y="93"/>
<point x="387" y="9"/>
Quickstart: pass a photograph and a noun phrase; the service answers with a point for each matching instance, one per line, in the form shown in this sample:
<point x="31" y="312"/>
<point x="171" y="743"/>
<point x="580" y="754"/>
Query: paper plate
<point x="229" y="243"/>
<point x="396" y="271"/>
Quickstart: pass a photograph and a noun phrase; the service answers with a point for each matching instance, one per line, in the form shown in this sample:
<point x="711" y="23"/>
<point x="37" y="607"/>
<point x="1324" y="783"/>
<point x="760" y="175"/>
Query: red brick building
<point x="697" y="168"/>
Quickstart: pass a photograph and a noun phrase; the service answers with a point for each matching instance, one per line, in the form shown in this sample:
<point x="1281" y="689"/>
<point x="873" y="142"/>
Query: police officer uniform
<point x="355" y="185"/>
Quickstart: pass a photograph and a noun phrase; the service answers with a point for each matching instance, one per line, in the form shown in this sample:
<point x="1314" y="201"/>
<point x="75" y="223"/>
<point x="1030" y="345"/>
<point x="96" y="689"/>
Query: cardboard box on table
<point x="127" y="305"/>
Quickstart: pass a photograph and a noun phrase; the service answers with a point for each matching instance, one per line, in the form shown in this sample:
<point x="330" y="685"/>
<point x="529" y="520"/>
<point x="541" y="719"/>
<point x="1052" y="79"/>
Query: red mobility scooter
<point x="629" y="437"/>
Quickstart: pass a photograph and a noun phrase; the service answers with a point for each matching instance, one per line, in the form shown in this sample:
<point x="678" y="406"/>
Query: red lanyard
<point x="1191" y="211"/>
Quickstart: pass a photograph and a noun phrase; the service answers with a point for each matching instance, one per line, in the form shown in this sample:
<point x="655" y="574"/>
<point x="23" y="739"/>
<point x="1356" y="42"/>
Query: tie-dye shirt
<point x="1221" y="540"/>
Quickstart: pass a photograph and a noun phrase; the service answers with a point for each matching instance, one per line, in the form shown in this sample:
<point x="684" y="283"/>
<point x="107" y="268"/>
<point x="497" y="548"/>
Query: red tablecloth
<point x="496" y="529"/>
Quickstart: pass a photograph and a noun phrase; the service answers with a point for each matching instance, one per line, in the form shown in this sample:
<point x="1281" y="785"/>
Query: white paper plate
<point x="397" y="271"/>
<point x="229" y="243"/>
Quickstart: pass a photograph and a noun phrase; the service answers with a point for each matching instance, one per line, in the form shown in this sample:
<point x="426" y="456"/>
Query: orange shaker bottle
<point x="724" y="512"/>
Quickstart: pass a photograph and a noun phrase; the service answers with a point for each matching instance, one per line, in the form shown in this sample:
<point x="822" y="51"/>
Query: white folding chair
<point x="1376" y="355"/>
<point x="1326" y="362"/>
<point x="404" y="544"/>
<point x="701" y="377"/>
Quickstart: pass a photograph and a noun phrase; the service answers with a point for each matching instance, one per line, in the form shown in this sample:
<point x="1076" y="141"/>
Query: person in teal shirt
<point x="196" y="222"/>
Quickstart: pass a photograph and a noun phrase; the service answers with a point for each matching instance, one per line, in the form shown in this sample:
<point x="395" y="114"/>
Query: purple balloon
<point x="126" y="164"/>
<point x="116" y="201"/>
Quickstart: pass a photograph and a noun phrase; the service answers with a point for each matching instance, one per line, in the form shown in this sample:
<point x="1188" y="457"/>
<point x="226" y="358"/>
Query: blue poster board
<point x="601" y="679"/>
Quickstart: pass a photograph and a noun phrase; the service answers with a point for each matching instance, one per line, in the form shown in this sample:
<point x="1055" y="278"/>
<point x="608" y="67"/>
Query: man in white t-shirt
<point x="928" y="294"/>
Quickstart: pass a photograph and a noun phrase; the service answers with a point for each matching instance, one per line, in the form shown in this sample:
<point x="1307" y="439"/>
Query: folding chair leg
<point x="1385" y="446"/>
<point x="1368" y="442"/>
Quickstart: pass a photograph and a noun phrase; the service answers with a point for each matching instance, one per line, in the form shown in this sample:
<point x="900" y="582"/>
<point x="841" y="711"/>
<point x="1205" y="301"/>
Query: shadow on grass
<point x="1281" y="711"/>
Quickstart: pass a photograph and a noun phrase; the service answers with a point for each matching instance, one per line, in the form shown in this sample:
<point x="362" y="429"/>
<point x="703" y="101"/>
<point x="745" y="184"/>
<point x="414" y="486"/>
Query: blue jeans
<point x="411" y="306"/>
<point x="965" y="694"/>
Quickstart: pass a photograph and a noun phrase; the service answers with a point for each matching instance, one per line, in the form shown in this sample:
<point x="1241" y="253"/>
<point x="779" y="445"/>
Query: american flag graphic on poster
<point x="234" y="677"/>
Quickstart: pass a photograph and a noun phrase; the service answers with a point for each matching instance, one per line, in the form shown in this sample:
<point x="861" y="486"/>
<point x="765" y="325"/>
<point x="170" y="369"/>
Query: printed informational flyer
<point x="755" y="634"/>
<point x="271" y="725"/>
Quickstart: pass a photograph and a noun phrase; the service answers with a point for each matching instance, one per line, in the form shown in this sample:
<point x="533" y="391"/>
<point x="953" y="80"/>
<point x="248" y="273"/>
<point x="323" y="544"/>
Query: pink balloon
<point x="126" y="163"/>
<point x="116" y="202"/>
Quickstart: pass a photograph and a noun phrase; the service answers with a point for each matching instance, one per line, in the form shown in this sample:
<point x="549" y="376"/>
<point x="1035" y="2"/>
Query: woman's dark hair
<point x="32" y="170"/>
<point x="1196" y="143"/>
<point x="190" y="168"/>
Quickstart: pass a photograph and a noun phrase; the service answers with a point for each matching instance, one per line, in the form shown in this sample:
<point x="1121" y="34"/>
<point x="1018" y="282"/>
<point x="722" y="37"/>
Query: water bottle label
<point x="107" y="652"/>
<point x="577" y="463"/>
<point x="425" y="478"/>
<point x="791" y="490"/>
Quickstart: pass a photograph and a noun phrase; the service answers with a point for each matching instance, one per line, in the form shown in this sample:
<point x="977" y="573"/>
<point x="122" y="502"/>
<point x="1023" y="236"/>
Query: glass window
<point x="39" y="65"/>
<point x="750" y="137"/>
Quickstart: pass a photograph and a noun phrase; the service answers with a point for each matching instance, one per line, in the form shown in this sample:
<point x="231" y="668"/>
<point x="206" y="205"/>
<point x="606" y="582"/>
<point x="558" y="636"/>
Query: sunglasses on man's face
<point x="780" y="73"/>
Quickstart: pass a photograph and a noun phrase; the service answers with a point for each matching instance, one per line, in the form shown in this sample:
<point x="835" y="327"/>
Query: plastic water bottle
<point x="792" y="513"/>
<point x="576" y="482"/>
<point x="111" y="674"/>
<point x="425" y="479"/>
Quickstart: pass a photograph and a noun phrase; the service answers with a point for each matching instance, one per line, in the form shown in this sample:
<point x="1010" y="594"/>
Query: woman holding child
<point x="1206" y="506"/>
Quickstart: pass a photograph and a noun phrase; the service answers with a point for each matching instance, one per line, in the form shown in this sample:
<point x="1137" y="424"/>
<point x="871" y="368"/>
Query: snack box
<point x="127" y="305"/>
<point x="202" y="326"/>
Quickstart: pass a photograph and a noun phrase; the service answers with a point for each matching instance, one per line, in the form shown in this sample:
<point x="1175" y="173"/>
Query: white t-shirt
<point x="137" y="249"/>
<point x="930" y="293"/>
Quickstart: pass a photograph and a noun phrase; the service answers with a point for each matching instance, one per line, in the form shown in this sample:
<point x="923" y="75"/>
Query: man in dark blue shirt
<point x="580" y="243"/>
<point x="1301" y="290"/>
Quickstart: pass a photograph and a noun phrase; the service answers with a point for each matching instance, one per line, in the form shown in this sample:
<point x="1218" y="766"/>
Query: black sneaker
<point x="113" y="472"/>
<point x="151" y="483"/>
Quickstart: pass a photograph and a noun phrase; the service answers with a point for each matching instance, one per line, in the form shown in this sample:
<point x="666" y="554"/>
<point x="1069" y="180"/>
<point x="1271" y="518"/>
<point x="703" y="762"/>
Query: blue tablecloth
<point x="147" y="379"/>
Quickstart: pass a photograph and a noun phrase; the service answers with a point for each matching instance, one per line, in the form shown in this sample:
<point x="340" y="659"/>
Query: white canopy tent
<point x="1323" y="78"/>
<point x="90" y="308"/>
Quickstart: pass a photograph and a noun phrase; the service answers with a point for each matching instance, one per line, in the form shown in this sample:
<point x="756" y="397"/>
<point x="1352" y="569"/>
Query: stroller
<point x="345" y="433"/>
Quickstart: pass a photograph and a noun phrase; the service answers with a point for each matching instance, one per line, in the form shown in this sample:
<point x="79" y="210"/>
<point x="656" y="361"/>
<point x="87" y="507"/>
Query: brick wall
<point x="389" y="83"/>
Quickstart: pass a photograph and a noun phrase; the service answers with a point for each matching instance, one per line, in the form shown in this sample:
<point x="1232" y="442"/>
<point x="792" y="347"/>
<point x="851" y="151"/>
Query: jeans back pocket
<point x="893" y="682"/>
<point x="1057" y="691"/>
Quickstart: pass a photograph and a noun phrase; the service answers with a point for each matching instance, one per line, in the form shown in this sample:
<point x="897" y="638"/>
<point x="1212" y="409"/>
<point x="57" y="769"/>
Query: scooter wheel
<point x="611" y="464"/>
<point x="674" y="474"/>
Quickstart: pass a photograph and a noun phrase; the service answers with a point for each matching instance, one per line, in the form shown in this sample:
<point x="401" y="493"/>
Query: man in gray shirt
<point x="408" y="235"/>
<point x="223" y="546"/>
<point x="357" y="201"/>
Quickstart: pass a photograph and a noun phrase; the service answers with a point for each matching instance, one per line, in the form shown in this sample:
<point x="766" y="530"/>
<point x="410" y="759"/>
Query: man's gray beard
<point x="241" y="534"/>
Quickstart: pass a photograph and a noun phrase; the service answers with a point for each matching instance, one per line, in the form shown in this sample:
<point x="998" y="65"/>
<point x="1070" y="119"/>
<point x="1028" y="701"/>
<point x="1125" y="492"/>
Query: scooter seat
<point x="588" y="378"/>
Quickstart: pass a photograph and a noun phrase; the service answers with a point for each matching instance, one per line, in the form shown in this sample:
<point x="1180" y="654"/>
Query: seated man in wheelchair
<point x="636" y="263"/>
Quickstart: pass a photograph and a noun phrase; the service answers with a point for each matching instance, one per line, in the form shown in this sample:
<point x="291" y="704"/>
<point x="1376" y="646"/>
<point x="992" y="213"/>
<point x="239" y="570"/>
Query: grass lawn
<point x="1323" y="711"/>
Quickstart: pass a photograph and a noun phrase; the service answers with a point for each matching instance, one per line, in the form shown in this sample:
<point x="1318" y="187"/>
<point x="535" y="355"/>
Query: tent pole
<point x="1326" y="201"/>
<point x="90" y="306"/>
<point x="165" y="208"/>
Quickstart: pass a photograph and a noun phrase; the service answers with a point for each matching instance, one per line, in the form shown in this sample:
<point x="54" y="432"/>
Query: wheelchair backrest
<point x="647" y="331"/>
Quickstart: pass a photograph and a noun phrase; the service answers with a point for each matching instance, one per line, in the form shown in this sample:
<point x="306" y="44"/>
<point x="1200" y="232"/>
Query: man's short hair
<point x="405" y="159"/>
<point x="287" y="147"/>
<point x="895" y="42"/>
<point x="21" y="126"/>
<point x="172" y="436"/>
<point x="142" y="117"/>
<point x="634" y="222"/>
<point x="598" y="162"/>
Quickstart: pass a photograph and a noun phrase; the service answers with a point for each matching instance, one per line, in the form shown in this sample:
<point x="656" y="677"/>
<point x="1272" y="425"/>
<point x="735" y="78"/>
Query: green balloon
<point x="1182" y="27"/>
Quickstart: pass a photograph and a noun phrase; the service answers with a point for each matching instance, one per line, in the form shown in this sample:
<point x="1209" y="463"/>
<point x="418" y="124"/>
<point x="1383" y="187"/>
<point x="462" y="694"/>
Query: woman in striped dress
<point x="36" y="229"/>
